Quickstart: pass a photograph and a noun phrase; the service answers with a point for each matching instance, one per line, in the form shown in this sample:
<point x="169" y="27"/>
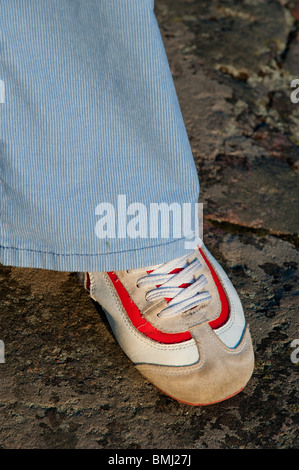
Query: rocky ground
<point x="65" y="382"/>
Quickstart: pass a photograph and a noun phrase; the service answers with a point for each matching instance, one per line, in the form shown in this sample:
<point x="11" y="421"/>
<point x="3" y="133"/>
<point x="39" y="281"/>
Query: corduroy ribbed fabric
<point x="90" y="114"/>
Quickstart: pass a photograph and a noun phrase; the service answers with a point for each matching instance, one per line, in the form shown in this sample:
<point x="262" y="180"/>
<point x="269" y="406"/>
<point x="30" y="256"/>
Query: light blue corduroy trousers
<point x="90" y="121"/>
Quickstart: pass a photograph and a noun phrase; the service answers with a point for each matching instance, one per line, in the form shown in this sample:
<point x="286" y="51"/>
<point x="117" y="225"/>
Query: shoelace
<point x="179" y="282"/>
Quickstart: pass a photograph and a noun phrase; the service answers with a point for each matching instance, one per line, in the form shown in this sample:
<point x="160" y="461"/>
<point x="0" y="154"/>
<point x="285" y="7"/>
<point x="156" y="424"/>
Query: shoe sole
<point x="201" y="404"/>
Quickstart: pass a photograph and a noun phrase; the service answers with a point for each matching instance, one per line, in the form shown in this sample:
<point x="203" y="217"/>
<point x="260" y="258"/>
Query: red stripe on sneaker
<point x="139" y="322"/>
<point x="224" y="314"/>
<point x="87" y="282"/>
<point x="150" y="331"/>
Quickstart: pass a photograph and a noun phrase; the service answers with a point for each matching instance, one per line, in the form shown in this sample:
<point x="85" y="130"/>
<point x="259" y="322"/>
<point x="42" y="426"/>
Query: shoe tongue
<point x="176" y="270"/>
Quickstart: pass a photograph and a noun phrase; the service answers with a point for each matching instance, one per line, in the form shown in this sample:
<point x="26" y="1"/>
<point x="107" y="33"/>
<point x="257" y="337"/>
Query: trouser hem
<point x="113" y="261"/>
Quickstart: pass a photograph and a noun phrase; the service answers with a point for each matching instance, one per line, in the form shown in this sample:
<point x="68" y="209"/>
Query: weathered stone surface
<point x="233" y="77"/>
<point x="65" y="382"/>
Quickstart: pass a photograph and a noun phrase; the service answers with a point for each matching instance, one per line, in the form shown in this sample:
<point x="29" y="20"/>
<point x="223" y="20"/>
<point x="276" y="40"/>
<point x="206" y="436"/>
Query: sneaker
<point x="181" y="323"/>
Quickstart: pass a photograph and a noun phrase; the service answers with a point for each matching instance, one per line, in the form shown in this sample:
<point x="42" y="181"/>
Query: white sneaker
<point x="181" y="323"/>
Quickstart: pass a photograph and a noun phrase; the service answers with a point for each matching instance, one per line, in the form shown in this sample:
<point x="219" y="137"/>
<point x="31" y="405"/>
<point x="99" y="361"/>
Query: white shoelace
<point x="179" y="281"/>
